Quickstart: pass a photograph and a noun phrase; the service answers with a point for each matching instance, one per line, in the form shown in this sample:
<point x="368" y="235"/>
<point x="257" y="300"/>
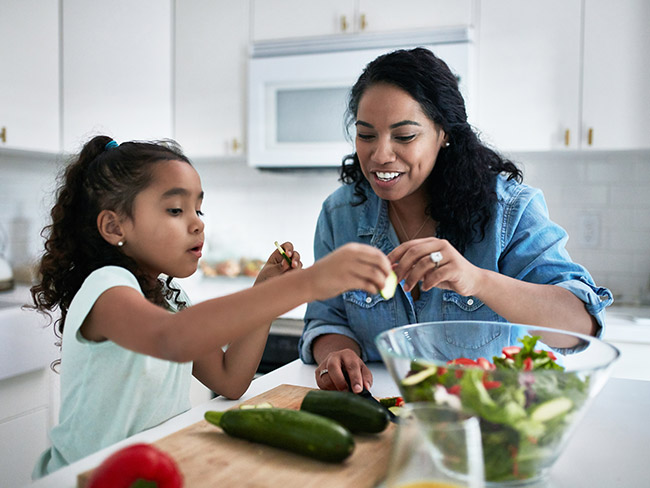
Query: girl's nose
<point x="197" y="225"/>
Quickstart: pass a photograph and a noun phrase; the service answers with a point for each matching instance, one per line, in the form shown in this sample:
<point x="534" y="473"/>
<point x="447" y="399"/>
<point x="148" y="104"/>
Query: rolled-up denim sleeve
<point x="534" y="251"/>
<point x="323" y="317"/>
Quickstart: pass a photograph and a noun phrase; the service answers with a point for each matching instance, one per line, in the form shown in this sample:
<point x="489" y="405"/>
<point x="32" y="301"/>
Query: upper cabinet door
<point x="210" y="76"/>
<point x="29" y="76"/>
<point x="529" y="74"/>
<point x="389" y="15"/>
<point x="117" y="70"/>
<point x="283" y="19"/>
<point x="616" y="104"/>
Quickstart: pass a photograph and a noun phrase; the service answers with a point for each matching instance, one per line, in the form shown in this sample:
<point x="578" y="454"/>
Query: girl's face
<point x="166" y="232"/>
<point x="397" y="144"/>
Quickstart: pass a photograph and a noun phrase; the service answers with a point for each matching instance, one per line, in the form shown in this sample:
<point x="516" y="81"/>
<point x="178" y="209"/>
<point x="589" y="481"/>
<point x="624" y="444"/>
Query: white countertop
<point x="608" y="448"/>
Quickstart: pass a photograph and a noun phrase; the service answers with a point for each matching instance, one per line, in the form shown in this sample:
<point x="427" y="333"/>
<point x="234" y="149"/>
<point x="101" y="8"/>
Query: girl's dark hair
<point x="101" y="177"/>
<point x="461" y="186"/>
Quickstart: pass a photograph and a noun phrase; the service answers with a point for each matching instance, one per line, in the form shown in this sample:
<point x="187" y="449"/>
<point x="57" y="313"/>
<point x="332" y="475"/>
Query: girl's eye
<point x="200" y="213"/>
<point x="175" y="211"/>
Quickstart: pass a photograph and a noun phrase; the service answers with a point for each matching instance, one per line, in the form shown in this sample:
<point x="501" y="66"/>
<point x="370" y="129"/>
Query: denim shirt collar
<point x="375" y="222"/>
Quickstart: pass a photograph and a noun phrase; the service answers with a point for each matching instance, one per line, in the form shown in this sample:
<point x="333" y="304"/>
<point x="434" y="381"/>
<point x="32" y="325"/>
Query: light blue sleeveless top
<point x="109" y="393"/>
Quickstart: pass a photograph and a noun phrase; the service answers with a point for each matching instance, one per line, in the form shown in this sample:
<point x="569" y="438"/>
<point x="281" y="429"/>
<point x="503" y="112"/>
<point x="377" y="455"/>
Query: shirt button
<point x="368" y="299"/>
<point x="470" y="302"/>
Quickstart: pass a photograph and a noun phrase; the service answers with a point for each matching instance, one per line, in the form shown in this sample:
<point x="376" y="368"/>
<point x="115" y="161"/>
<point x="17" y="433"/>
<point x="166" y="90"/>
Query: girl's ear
<point x="110" y="228"/>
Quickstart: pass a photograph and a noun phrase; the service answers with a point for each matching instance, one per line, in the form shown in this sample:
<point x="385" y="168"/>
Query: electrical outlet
<point x="589" y="230"/>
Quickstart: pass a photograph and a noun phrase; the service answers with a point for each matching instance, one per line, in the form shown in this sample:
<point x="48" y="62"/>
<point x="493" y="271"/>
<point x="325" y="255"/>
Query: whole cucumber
<point x="352" y="411"/>
<point x="293" y="430"/>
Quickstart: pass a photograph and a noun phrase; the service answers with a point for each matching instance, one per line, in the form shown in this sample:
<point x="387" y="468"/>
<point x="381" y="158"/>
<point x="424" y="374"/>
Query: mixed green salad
<point x="523" y="404"/>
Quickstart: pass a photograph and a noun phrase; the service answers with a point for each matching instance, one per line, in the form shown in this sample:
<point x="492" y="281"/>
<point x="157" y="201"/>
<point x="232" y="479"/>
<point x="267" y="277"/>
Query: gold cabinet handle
<point x="236" y="145"/>
<point x="567" y="137"/>
<point x="590" y="136"/>
<point x="3" y="134"/>
<point x="344" y="23"/>
<point x="363" y="23"/>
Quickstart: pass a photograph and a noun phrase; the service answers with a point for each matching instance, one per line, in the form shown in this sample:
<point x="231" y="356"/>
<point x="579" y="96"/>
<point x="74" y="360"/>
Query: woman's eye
<point x="175" y="211"/>
<point x="365" y="137"/>
<point x="405" y="138"/>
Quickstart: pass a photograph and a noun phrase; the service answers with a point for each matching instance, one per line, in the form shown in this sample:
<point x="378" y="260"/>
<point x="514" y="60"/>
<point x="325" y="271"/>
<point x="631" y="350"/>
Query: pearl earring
<point x="120" y="244"/>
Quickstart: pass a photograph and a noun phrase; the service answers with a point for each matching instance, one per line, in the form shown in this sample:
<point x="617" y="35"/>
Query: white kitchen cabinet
<point x="29" y="77"/>
<point x="25" y="419"/>
<point x="117" y="70"/>
<point x="211" y="50"/>
<point x="283" y="19"/>
<point x="564" y="74"/>
<point x="529" y="73"/>
<point x="616" y="105"/>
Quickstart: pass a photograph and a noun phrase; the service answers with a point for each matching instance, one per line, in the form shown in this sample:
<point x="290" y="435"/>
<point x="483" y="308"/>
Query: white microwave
<point x="297" y="92"/>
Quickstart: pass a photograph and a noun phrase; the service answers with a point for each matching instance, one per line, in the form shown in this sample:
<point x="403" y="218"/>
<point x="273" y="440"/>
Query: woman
<point x="466" y="238"/>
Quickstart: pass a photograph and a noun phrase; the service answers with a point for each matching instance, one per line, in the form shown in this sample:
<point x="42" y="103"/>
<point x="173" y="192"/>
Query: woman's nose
<point x="383" y="151"/>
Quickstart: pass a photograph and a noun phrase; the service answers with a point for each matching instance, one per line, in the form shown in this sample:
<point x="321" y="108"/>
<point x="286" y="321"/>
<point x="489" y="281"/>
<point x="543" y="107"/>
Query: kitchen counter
<point x="606" y="450"/>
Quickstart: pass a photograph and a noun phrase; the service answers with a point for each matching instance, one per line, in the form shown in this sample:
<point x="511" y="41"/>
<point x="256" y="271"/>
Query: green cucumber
<point x="352" y="411"/>
<point x="292" y="430"/>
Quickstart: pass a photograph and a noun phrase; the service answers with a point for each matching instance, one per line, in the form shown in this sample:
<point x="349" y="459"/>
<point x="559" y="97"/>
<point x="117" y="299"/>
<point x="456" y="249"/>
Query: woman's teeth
<point x="386" y="176"/>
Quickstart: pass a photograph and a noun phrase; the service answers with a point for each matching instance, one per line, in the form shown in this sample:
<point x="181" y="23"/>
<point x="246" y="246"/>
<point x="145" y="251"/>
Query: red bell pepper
<point x="137" y="465"/>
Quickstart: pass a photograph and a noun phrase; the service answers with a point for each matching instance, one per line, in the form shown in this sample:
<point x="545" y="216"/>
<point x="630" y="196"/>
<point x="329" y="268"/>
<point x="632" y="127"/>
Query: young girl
<point x="125" y="215"/>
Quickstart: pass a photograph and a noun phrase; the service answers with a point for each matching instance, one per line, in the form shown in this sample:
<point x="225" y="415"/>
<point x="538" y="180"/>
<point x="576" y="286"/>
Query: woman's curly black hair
<point x="98" y="178"/>
<point x="461" y="186"/>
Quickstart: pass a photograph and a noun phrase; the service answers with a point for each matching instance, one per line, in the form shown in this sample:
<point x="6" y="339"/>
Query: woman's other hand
<point x="415" y="261"/>
<point x="330" y="372"/>
<point x="350" y="267"/>
<point x="277" y="264"/>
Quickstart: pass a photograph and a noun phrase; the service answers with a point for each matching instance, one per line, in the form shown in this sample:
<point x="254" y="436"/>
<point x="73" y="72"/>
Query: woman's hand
<point x="276" y="264"/>
<point x="350" y="267"/>
<point x="414" y="264"/>
<point x="329" y="373"/>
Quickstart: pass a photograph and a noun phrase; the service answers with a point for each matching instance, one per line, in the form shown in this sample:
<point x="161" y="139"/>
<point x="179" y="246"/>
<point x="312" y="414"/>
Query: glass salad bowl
<point x="527" y="385"/>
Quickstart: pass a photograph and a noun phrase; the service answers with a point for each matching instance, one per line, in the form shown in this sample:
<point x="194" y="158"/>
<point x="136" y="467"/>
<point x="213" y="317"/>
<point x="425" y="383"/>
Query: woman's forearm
<point x="529" y="303"/>
<point x="327" y="343"/>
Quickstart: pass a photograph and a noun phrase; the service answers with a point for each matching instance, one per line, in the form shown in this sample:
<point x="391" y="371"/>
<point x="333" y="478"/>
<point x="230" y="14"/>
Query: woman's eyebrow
<point x="404" y="122"/>
<point x="393" y="126"/>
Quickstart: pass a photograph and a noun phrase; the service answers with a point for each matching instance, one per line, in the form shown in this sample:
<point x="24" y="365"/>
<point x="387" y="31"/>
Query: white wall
<point x="601" y="198"/>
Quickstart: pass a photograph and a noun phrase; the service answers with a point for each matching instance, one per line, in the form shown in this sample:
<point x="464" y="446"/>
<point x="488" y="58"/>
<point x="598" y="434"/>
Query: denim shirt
<point x="520" y="241"/>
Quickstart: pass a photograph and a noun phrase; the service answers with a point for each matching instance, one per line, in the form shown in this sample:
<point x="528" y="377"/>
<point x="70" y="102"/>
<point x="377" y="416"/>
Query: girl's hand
<point x="414" y="264"/>
<point x="344" y="360"/>
<point x="350" y="267"/>
<point x="276" y="264"/>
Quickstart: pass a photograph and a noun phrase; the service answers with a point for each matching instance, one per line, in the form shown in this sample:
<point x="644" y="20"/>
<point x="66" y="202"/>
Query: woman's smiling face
<point x="397" y="144"/>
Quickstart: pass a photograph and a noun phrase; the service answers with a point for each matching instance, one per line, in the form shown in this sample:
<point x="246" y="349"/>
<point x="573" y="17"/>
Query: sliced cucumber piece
<point x="257" y="405"/>
<point x="551" y="409"/>
<point x="420" y="376"/>
<point x="388" y="291"/>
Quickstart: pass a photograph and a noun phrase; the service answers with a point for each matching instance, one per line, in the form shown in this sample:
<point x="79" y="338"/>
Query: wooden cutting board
<point x="209" y="458"/>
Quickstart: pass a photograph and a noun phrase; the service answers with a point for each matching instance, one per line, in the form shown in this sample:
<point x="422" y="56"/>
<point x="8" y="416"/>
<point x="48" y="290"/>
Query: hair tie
<point x="110" y="145"/>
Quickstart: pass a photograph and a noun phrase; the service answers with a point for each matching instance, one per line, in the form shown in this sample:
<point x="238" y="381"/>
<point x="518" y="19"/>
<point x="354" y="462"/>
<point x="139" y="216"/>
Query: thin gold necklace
<point x="399" y="221"/>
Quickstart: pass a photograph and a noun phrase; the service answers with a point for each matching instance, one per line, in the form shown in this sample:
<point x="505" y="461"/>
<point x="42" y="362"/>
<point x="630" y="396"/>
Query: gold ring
<point x="322" y="372"/>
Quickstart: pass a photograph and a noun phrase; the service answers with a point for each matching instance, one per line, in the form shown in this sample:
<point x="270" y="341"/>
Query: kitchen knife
<point x="366" y="394"/>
